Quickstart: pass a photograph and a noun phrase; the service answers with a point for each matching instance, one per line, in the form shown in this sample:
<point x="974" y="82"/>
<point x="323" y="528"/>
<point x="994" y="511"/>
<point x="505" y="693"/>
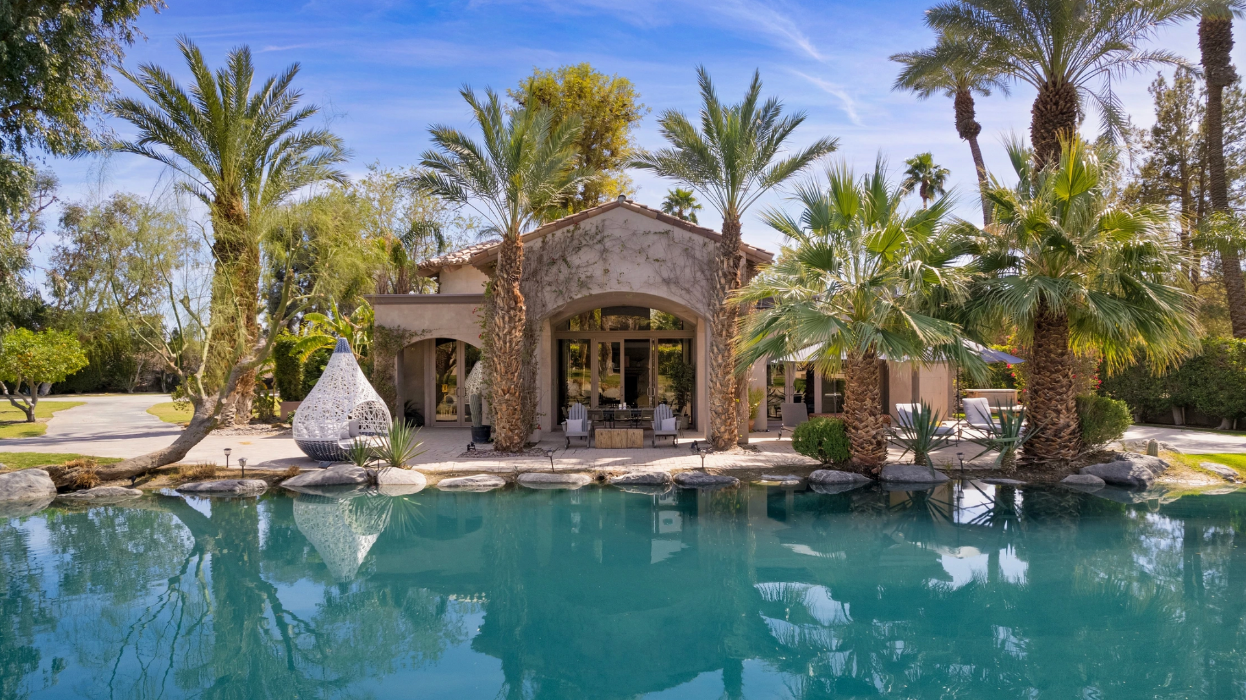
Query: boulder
<point x="336" y="475"/>
<point x="701" y="480"/>
<point x="642" y="479"/>
<point x="1085" y="480"/>
<point x="225" y="487"/>
<point x="1129" y="469"/>
<point x="548" y="480"/>
<point x="911" y="474"/>
<point x="1226" y="473"/>
<point x="834" y="476"/>
<point x="399" y="482"/>
<point x="101" y="494"/>
<point x="476" y="482"/>
<point x="26" y="485"/>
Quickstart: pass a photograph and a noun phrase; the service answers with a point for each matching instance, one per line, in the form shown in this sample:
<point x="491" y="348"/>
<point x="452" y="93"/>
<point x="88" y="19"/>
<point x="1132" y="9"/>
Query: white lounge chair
<point x="978" y="416"/>
<point x="793" y="415"/>
<point x="904" y="415"/>
<point x="577" y="412"/>
<point x="661" y="414"/>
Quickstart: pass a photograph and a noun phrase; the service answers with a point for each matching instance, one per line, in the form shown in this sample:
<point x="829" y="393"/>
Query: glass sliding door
<point x="832" y="395"/>
<point x="676" y="381"/>
<point x="471" y="358"/>
<point x="575" y="374"/>
<point x="609" y="374"/>
<point x="637" y="382"/>
<point x="446" y="381"/>
<point x="776" y="390"/>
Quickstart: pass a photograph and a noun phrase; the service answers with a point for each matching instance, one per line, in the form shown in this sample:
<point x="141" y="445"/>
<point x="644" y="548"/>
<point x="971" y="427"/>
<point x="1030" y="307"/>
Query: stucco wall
<point x="464" y="279"/>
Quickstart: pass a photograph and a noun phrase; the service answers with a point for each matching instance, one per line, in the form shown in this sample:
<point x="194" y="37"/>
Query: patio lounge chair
<point x="793" y="415"/>
<point x="978" y="417"/>
<point x="577" y="412"/>
<point x="660" y="415"/>
<point x="904" y="413"/>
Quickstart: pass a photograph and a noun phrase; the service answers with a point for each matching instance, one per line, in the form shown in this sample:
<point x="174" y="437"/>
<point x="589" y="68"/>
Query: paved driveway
<point x="1190" y="441"/>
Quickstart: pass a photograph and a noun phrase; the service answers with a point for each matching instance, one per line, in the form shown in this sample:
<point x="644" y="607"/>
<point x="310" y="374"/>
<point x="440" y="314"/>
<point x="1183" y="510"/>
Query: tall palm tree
<point x="523" y="169"/>
<point x="1215" y="42"/>
<point x="957" y="67"/>
<point x="926" y="176"/>
<point x="857" y="286"/>
<point x="736" y="157"/>
<point x="1063" y="48"/>
<point x="241" y="152"/>
<point x="682" y="204"/>
<point x="1073" y="270"/>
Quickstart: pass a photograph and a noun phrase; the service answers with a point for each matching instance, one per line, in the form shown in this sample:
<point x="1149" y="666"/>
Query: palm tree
<point x="1215" y="41"/>
<point x="855" y="288"/>
<point x="734" y="159"/>
<point x="926" y="176"/>
<point x="682" y="204"/>
<point x="523" y="169"/>
<point x="957" y="67"/>
<point x="241" y="153"/>
<point x="1072" y="269"/>
<point x="1062" y="47"/>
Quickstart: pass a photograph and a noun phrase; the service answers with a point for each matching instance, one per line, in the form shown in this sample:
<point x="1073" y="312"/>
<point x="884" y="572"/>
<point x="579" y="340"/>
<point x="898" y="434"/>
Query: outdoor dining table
<point x="632" y="417"/>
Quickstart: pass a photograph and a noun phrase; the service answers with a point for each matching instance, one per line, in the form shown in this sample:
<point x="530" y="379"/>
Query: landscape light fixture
<point x="227" y="451"/>
<point x="242" y="462"/>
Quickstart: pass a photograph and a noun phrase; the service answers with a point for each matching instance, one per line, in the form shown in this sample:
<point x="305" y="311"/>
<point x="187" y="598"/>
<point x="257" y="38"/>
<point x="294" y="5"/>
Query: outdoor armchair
<point x="577" y="424"/>
<point x="661" y="428"/>
<point x="793" y="415"/>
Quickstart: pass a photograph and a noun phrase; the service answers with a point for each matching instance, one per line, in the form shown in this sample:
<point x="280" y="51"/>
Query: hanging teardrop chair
<point x="341" y="407"/>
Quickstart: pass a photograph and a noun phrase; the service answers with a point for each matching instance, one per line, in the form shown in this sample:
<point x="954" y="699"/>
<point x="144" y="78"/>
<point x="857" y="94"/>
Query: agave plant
<point x="360" y="453"/>
<point x="399" y="446"/>
<point x="1006" y="438"/>
<point x="923" y="435"/>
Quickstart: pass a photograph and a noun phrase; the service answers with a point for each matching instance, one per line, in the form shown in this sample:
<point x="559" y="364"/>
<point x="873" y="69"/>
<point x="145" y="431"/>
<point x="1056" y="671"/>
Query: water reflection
<point x="970" y="591"/>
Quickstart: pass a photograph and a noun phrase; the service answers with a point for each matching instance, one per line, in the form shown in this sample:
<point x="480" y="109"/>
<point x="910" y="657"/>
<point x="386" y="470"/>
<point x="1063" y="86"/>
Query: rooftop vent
<point x="622" y="198"/>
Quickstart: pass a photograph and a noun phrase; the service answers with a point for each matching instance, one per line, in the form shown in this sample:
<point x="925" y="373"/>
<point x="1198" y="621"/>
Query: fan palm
<point x="957" y="67"/>
<point x="855" y="289"/>
<point x="523" y="169"/>
<point x="735" y="158"/>
<point x="1072" y="270"/>
<point x="241" y="153"/>
<point x="926" y="176"/>
<point x="1063" y="48"/>
<point x="323" y="331"/>
<point x="682" y="204"/>
<point x="1215" y="41"/>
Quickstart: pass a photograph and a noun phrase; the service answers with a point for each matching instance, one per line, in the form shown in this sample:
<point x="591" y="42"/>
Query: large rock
<point x="835" y="476"/>
<point x="400" y="482"/>
<point x="642" y="479"/>
<point x="554" y="480"/>
<point x="1129" y="470"/>
<point x="26" y="485"/>
<point x="701" y="480"/>
<point x="1226" y="473"/>
<point x="1084" y="480"/>
<point x="911" y="474"/>
<point x="225" y="487"/>
<point x="336" y="475"/>
<point x="476" y="482"/>
<point x="101" y="494"/>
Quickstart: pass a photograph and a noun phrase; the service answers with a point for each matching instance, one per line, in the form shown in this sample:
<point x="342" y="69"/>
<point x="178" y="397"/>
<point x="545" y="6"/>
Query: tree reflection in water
<point x="966" y="591"/>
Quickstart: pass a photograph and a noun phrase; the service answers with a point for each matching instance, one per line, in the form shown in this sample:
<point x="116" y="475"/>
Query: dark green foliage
<point x="287" y="370"/>
<point x="313" y="368"/>
<point x="1141" y="389"/>
<point x="1102" y="419"/>
<point x="1213" y="383"/>
<point x="823" y="439"/>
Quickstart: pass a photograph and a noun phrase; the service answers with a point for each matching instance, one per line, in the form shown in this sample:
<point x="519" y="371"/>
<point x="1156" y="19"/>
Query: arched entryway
<point x="454" y="362"/>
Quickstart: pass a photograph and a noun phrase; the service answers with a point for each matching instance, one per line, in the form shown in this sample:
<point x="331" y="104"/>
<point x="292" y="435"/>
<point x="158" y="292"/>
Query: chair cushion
<point x="670" y="425"/>
<point x="575" y="426"/>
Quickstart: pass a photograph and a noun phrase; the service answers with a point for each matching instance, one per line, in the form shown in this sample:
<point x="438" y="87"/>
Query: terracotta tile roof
<point x="482" y="253"/>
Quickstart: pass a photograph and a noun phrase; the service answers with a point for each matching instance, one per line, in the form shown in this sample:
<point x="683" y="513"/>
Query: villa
<point x="619" y="295"/>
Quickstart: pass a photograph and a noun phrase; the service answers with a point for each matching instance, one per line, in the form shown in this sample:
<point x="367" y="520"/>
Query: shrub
<point x="313" y="368"/>
<point x="823" y="439"/>
<point x="1214" y="382"/>
<point x="287" y="370"/>
<point x="1140" y="388"/>
<point x="1102" y="419"/>
<point x="196" y="472"/>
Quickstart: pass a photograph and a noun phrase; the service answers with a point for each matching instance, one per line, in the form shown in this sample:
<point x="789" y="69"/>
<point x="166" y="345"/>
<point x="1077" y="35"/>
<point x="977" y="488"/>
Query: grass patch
<point x="196" y="472"/>
<point x="1233" y="461"/>
<point x="170" y="412"/>
<point x="13" y="422"/>
<point x="25" y="460"/>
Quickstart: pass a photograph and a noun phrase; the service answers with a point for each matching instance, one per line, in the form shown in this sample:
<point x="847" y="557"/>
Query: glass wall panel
<point x="623" y="318"/>
<point x="803" y="386"/>
<point x="776" y="390"/>
<point x="637" y="382"/>
<point x="832" y="395"/>
<point x="471" y="358"/>
<point x="609" y="374"/>
<point x="676" y="378"/>
<point x="575" y="374"/>
<point x="446" y="378"/>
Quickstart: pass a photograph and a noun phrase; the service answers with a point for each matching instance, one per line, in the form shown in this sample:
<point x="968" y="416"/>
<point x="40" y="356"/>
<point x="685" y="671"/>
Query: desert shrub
<point x="1102" y="419"/>
<point x="76" y="474"/>
<point x="823" y="439"/>
<point x="196" y="472"/>
<point x="291" y="472"/>
<point x="287" y="370"/>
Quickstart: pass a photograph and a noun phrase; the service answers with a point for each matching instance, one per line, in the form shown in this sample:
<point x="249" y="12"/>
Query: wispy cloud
<point x="849" y="104"/>
<point x="783" y="31"/>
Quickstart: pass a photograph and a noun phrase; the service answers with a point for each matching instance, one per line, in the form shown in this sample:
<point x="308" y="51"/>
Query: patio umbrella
<point x="990" y="355"/>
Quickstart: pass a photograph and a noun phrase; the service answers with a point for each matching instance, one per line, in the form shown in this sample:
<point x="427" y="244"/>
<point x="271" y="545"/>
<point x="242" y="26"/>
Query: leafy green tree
<point x="736" y="157"/>
<point x="21" y="226"/>
<point x="958" y="67"/>
<point x="29" y="358"/>
<point x="926" y="176"/>
<point x="682" y="204"/>
<point x="241" y="153"/>
<point x="54" y="77"/>
<point x="1063" y="48"/>
<point x="1073" y="270"/>
<point x="525" y="168"/>
<point x="857" y="287"/>
<point x="608" y="108"/>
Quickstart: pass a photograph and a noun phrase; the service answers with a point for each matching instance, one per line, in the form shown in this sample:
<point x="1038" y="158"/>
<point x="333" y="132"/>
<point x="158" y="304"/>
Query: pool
<point x="965" y="591"/>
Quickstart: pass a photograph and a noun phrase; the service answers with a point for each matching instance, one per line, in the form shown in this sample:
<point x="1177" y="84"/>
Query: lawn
<point x="1236" y="461"/>
<point x="169" y="412"/>
<point x="23" y="460"/>
<point x="13" y="422"/>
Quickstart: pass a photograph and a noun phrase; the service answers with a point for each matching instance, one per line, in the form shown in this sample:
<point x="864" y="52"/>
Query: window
<point x="623" y="318"/>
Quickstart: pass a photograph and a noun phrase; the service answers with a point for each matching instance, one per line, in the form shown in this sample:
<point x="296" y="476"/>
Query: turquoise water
<point x="961" y="592"/>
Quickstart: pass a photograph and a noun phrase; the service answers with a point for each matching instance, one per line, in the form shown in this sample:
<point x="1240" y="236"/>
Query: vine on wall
<point x="387" y="341"/>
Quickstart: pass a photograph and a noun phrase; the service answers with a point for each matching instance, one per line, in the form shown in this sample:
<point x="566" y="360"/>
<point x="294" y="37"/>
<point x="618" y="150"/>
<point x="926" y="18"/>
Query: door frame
<point x="460" y="397"/>
<point x="595" y="337"/>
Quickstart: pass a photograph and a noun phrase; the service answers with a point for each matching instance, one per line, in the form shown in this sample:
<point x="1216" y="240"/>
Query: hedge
<point x="1212" y="383"/>
<point x="823" y="439"/>
<point x="1102" y="419"/>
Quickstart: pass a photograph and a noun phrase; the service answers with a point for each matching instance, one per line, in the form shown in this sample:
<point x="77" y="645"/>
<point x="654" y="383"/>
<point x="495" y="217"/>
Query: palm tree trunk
<point x="1051" y="406"/>
<point x="863" y="413"/>
<point x="234" y="305"/>
<point x="724" y="426"/>
<point x="1053" y="117"/>
<point x="506" y="331"/>
<point x="968" y="127"/>
<point x="1215" y="40"/>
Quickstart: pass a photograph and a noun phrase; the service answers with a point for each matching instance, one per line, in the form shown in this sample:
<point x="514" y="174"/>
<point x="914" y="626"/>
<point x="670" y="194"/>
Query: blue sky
<point x="384" y="70"/>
